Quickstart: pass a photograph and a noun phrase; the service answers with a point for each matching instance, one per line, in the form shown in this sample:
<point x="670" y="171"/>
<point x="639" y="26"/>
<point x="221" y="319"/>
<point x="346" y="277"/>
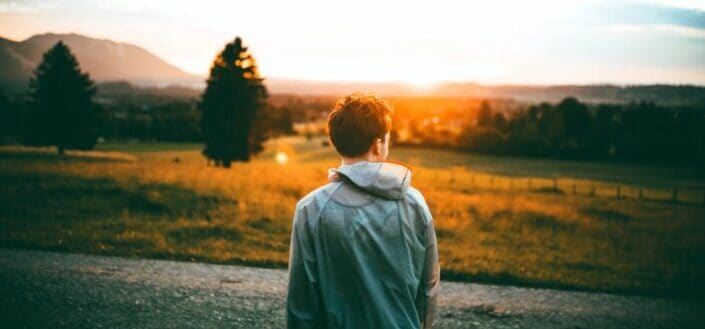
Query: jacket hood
<point x="386" y="179"/>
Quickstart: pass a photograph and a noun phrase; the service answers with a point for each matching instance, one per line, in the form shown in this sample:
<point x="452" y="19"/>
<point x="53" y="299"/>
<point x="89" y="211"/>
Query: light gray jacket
<point x="363" y="253"/>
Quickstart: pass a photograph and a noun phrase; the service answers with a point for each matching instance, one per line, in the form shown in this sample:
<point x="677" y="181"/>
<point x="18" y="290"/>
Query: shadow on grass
<point x="266" y="224"/>
<point x="102" y="216"/>
<point x="606" y="214"/>
<point x="529" y="220"/>
<point x="40" y="198"/>
<point x="21" y="154"/>
<point x="540" y="221"/>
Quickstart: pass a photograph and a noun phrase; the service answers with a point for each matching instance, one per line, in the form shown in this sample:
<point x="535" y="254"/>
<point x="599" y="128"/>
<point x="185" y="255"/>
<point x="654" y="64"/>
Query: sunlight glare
<point x="281" y="158"/>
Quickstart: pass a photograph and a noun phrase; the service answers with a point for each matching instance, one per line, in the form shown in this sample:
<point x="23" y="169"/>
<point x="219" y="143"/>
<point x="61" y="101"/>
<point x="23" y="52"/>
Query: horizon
<point x="578" y="43"/>
<point x="402" y="87"/>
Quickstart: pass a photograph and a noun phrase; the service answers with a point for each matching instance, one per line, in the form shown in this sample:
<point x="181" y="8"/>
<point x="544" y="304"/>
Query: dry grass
<point x="149" y="204"/>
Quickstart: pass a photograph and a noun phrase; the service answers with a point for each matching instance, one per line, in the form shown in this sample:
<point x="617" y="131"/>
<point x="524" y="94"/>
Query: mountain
<point x="104" y="60"/>
<point x="599" y="93"/>
<point x="122" y="90"/>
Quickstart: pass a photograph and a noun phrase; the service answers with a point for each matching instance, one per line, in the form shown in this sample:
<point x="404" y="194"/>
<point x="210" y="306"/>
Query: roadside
<point x="48" y="289"/>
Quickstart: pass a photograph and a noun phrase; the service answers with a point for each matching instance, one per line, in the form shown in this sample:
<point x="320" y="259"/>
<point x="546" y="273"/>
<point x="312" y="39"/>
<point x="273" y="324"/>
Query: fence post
<point x="641" y="193"/>
<point x="619" y="192"/>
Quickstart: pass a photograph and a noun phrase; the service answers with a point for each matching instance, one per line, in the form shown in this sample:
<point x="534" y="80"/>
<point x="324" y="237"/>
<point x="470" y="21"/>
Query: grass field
<point x="162" y="201"/>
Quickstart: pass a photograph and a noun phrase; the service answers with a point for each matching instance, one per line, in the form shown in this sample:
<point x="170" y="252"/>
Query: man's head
<point x="359" y="125"/>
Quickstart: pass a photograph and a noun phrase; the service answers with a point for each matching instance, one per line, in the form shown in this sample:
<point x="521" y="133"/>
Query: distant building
<point x="318" y="127"/>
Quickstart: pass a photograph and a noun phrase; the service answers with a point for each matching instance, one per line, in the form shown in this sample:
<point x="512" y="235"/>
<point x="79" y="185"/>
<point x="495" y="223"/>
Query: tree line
<point x="635" y="132"/>
<point x="173" y="121"/>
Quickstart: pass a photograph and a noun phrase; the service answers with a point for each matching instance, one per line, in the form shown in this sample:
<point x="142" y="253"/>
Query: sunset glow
<point x="415" y="42"/>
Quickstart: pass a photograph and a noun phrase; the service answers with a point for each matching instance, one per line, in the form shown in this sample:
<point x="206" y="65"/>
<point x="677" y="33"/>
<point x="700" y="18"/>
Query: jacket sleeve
<point x="430" y="280"/>
<point x="303" y="297"/>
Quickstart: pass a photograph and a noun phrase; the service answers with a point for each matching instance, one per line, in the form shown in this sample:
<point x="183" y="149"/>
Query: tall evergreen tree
<point x="484" y="116"/>
<point x="233" y="97"/>
<point x="60" y="103"/>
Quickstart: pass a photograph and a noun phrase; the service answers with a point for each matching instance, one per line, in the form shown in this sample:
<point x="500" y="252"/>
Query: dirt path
<point x="50" y="290"/>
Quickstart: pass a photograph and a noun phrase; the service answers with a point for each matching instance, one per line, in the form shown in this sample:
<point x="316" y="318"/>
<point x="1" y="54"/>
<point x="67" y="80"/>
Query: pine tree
<point x="484" y="116"/>
<point x="60" y="103"/>
<point x="233" y="97"/>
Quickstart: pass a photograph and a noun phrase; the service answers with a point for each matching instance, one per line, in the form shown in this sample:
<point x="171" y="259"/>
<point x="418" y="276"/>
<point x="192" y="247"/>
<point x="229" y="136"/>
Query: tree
<point x="233" y="97"/>
<point x="9" y="119"/>
<point x="482" y="140"/>
<point x="499" y="121"/>
<point x="577" y="121"/>
<point x="484" y="117"/>
<point x="60" y="101"/>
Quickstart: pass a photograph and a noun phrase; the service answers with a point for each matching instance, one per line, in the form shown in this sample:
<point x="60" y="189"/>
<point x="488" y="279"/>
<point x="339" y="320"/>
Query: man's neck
<point x="364" y="157"/>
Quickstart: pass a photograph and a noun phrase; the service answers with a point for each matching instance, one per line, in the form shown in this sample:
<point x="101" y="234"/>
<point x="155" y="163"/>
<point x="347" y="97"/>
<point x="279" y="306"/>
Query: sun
<point x="421" y="81"/>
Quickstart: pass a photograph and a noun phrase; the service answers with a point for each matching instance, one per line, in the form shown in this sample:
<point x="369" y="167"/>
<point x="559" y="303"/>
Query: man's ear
<point x="377" y="146"/>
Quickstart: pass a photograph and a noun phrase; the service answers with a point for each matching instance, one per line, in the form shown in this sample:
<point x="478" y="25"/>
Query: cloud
<point x="7" y="7"/>
<point x="660" y="29"/>
<point x="653" y="14"/>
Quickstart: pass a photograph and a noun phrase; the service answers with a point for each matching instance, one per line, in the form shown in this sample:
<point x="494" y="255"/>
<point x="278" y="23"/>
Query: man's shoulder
<point x="415" y="197"/>
<point x="315" y="197"/>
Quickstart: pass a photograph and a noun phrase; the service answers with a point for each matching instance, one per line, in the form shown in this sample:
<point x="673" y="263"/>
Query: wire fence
<point x="682" y="194"/>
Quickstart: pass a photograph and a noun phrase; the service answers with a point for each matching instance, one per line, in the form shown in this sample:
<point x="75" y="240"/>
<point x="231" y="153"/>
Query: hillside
<point x="104" y="60"/>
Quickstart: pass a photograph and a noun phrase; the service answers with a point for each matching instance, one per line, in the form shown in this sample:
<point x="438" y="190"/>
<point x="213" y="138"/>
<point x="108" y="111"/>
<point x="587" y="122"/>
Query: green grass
<point x="135" y="200"/>
<point x="148" y="147"/>
<point x="646" y="175"/>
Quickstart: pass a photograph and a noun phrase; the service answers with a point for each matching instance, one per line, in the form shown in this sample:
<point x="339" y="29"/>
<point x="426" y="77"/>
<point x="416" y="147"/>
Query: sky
<point x="418" y="42"/>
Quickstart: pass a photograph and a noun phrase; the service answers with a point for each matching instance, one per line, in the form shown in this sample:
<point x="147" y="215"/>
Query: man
<point x="363" y="246"/>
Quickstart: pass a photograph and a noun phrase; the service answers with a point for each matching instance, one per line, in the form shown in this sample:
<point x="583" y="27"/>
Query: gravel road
<point x="58" y="290"/>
